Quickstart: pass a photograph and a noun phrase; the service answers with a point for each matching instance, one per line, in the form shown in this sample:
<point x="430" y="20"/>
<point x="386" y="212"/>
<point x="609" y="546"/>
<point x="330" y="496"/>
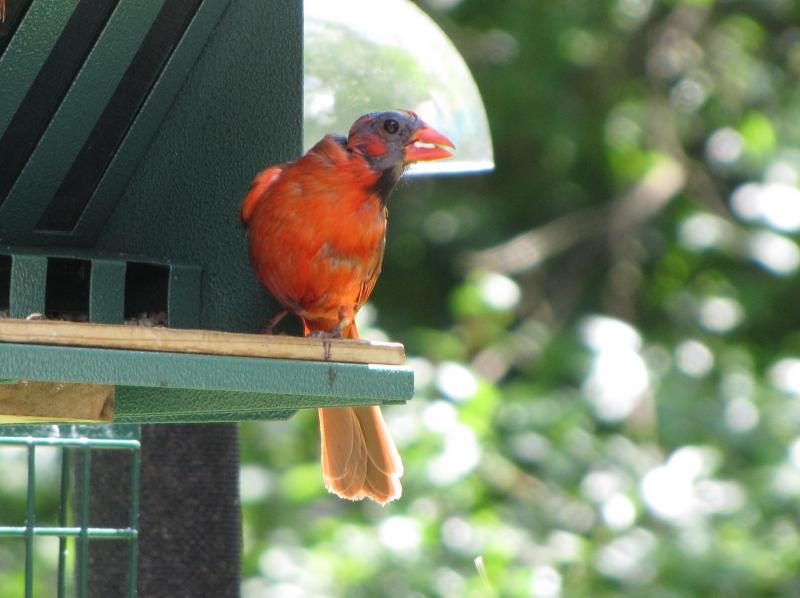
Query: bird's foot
<point x="270" y="332"/>
<point x="270" y="327"/>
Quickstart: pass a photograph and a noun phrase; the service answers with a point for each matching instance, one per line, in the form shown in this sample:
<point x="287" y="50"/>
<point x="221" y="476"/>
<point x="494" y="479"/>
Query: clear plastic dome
<point x="364" y="56"/>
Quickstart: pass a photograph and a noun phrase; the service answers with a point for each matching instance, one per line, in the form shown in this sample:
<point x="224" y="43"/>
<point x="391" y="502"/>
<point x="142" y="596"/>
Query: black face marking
<point x="387" y="182"/>
<point x="395" y="130"/>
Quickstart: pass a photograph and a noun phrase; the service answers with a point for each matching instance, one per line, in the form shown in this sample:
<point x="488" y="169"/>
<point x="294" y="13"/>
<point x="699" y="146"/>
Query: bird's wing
<point x="369" y="283"/>
<point x="261" y="183"/>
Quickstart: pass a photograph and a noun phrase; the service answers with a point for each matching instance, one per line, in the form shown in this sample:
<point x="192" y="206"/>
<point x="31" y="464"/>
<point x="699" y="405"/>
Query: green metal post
<point x="136" y="472"/>
<point x="83" y="540"/>
<point x="30" y="519"/>
<point x="66" y="467"/>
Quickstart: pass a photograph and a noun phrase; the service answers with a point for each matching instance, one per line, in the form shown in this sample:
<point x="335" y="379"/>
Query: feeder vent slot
<point x="67" y="290"/>
<point x="146" y="289"/>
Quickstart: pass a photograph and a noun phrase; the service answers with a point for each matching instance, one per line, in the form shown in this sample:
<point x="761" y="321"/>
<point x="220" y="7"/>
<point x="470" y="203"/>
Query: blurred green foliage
<point x="604" y="329"/>
<point x="13" y="496"/>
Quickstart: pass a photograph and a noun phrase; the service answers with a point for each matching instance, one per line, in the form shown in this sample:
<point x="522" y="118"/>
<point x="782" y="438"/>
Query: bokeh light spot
<point x="545" y="582"/>
<point x="724" y="146"/>
<point x="694" y="358"/>
<point x="499" y="292"/>
<point x="785" y="375"/>
<point x="741" y="415"/>
<point x="618" y="512"/>
<point x="402" y="535"/>
<point x="456" y="381"/>
<point x="720" y="314"/>
<point x="775" y="252"/>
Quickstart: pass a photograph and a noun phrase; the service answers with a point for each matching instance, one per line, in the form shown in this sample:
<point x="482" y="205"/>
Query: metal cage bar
<point x="83" y="538"/>
<point x="63" y="517"/>
<point x="30" y="518"/>
<point x="133" y="546"/>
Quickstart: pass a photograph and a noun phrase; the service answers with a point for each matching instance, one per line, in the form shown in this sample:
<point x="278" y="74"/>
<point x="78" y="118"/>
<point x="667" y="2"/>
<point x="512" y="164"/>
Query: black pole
<point x="189" y="514"/>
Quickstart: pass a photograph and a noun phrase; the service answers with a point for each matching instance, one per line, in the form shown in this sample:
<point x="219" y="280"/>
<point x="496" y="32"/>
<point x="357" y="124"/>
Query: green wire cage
<point x="76" y="445"/>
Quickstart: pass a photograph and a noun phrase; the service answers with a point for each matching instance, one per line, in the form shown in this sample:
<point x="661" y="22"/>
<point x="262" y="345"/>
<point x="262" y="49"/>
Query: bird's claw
<point x="270" y="327"/>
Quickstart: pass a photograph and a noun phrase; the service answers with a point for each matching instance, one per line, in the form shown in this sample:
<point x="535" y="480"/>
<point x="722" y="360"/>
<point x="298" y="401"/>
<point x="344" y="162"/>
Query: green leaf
<point x="758" y="134"/>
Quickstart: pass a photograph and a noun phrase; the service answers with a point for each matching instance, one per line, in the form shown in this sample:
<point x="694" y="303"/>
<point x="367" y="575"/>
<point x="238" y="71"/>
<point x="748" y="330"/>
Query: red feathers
<point x="317" y="233"/>
<point x="317" y="229"/>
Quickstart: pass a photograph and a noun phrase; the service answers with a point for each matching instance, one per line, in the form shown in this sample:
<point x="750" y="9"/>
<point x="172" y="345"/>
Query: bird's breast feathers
<point x="319" y="226"/>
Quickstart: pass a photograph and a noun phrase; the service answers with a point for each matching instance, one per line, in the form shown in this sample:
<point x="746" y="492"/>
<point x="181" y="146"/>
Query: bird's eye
<point x="391" y="126"/>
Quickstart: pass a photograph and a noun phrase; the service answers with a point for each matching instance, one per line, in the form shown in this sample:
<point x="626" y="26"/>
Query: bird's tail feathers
<point x="359" y="457"/>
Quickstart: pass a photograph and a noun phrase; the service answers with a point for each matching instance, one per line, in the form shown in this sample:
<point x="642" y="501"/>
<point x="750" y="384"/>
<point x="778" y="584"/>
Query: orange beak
<point x="428" y="144"/>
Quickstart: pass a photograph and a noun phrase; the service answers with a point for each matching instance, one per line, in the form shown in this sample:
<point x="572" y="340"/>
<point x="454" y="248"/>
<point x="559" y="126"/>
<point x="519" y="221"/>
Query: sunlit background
<point x="604" y="330"/>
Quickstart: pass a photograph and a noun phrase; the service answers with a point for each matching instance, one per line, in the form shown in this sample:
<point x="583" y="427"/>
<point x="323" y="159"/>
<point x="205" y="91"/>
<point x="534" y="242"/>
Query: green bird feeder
<point x="129" y="133"/>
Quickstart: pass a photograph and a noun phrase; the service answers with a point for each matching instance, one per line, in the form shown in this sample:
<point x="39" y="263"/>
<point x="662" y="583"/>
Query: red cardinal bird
<point x="317" y="229"/>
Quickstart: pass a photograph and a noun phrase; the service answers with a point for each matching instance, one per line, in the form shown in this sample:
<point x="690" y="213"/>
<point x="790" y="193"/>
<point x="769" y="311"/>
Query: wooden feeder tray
<point x="58" y="371"/>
